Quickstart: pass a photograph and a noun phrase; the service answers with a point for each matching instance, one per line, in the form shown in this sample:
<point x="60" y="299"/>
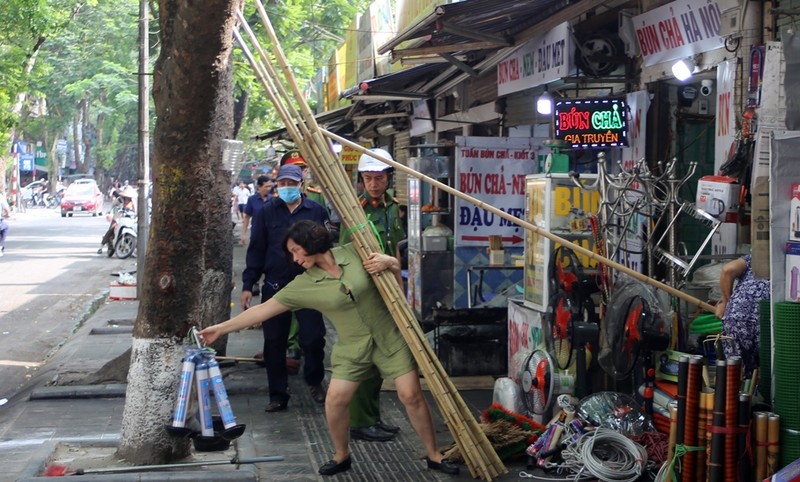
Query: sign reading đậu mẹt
<point x="592" y="123"/>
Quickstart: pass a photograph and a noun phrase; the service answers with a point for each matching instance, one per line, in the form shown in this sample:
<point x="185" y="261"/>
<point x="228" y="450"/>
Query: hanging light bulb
<point x="270" y="151"/>
<point x="544" y="104"/>
<point x="683" y="69"/>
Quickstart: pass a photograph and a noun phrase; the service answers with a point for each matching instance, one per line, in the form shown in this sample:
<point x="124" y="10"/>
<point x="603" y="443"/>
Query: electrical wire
<point x="607" y="455"/>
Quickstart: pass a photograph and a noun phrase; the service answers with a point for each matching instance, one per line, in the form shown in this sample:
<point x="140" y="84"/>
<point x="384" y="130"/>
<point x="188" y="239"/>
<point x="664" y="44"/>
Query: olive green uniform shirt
<point x="386" y="219"/>
<point x="355" y="307"/>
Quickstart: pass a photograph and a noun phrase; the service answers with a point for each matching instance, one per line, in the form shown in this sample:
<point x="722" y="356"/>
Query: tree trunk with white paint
<point x="188" y="274"/>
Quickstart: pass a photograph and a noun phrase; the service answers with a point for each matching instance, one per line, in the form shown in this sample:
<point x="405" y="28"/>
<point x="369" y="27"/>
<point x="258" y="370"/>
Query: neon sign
<point x="592" y="123"/>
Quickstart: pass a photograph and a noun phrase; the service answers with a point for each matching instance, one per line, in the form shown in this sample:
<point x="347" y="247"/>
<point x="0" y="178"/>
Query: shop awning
<point x="470" y="25"/>
<point x="455" y="42"/>
<point x="335" y="120"/>
<point x="397" y="86"/>
<point x="473" y="36"/>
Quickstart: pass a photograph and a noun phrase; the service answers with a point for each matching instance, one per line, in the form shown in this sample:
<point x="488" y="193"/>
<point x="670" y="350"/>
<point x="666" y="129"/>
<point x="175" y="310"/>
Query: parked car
<point x="82" y="198"/>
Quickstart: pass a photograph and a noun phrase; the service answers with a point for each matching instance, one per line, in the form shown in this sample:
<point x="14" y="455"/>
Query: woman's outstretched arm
<point x="250" y="317"/>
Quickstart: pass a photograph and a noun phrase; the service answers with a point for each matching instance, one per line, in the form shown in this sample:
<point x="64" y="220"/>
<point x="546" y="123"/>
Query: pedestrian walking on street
<point x="337" y="283"/>
<point x="265" y="256"/>
<point x="240" y="195"/>
<point x="254" y="204"/>
<point x="5" y="212"/>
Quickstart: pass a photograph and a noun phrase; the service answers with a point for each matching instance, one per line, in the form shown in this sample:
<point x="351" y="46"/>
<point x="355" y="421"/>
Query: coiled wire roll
<point x="607" y="455"/>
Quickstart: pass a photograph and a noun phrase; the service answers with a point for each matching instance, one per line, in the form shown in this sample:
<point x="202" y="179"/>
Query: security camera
<point x="706" y="86"/>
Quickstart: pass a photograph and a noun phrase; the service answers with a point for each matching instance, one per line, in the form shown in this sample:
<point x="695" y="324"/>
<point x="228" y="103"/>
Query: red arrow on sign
<point x="509" y="239"/>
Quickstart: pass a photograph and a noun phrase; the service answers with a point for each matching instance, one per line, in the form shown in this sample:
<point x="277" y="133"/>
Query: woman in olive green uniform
<point x="383" y="212"/>
<point x="337" y="284"/>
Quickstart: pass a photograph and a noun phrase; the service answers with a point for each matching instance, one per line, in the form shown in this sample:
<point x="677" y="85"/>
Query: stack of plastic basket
<point x="786" y="368"/>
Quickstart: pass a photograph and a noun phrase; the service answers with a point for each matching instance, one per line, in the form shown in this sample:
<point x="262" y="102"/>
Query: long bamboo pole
<point x="309" y="138"/>
<point x="524" y="224"/>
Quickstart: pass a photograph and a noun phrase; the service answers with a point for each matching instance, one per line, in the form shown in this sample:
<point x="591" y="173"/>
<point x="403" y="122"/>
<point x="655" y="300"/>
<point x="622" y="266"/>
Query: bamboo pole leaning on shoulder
<point x="524" y="224"/>
<point x="479" y="455"/>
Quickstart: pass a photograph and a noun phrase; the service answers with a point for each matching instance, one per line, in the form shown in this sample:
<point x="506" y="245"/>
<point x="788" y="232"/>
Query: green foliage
<point x="89" y="54"/>
<point x="309" y="32"/>
<point x="93" y="60"/>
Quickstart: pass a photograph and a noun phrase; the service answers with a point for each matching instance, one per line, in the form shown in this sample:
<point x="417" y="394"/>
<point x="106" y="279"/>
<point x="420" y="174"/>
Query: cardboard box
<point x="725" y="239"/>
<point x="497" y="257"/>
<point x="719" y="197"/>
<point x="122" y="292"/>
<point x="792" y="271"/>
<point x="794" y="214"/>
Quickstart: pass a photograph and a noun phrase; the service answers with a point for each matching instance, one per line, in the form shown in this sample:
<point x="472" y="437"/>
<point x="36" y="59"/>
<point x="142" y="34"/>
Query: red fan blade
<point x="540" y="379"/>
<point x="632" y="334"/>
<point x="561" y="318"/>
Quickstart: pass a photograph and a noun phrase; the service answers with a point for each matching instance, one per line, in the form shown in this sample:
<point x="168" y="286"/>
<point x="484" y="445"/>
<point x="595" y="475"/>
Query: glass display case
<point x="430" y="229"/>
<point x="555" y="204"/>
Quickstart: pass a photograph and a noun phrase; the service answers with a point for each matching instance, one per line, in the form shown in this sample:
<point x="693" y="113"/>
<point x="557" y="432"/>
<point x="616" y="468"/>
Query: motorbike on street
<point x="125" y="238"/>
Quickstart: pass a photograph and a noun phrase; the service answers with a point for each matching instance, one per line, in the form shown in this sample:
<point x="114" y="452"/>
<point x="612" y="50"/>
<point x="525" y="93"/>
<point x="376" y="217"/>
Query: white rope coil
<point x="607" y="455"/>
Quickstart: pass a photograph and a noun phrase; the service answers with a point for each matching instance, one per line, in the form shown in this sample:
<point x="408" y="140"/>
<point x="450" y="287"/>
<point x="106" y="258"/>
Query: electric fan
<point x="635" y="328"/>
<point x="571" y="302"/>
<point x="540" y="382"/>
<point x="562" y="316"/>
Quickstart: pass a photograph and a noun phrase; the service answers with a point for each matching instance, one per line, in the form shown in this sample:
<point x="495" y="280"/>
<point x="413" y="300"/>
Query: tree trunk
<point x="189" y="257"/>
<point x="86" y="137"/>
<point x="76" y="140"/>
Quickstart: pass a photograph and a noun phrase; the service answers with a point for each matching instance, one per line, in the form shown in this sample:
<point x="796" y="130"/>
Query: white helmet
<point x="367" y="163"/>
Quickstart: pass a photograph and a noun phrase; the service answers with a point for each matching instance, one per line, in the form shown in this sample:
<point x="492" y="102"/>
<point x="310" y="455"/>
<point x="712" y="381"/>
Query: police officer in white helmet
<point x="382" y="210"/>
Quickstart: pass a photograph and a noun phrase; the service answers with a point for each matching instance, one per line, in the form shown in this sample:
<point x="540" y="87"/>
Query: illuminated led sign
<point x="592" y="123"/>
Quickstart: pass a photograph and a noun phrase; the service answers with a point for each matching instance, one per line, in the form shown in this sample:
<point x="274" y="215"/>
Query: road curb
<point x="112" y="390"/>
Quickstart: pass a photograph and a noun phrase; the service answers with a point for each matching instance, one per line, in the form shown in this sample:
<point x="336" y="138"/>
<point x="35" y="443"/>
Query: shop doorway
<point x="694" y="143"/>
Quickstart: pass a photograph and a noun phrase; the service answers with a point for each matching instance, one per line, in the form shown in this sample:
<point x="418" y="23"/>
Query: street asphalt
<point x="51" y="416"/>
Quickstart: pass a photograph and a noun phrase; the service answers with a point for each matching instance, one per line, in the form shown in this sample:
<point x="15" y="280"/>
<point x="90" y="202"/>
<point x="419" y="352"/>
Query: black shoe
<point x="370" y="434"/>
<point x="276" y="406"/>
<point x="100" y="251"/>
<point x="444" y="466"/>
<point x="386" y="427"/>
<point x="332" y="468"/>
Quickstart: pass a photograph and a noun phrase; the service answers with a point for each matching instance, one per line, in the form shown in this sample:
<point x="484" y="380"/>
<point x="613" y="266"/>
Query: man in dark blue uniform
<point x="254" y="204"/>
<point x="265" y="255"/>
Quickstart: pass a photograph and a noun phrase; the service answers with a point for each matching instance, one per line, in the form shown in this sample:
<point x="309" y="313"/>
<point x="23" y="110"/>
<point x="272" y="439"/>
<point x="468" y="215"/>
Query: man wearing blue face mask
<point x="265" y="255"/>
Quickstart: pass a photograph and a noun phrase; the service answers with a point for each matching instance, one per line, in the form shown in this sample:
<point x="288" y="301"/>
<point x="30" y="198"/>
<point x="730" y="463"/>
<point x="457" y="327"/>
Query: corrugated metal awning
<point x="474" y="24"/>
<point x="334" y="120"/>
<point x="400" y="85"/>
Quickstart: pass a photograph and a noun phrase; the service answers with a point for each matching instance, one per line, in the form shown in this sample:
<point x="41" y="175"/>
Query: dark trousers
<point x="276" y="339"/>
<point x="109" y="236"/>
<point x="365" y="407"/>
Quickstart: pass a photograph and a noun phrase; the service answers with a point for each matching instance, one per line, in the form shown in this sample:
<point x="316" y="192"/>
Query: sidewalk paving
<point x="35" y="420"/>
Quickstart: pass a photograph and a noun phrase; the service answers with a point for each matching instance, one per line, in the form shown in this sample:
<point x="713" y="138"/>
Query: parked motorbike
<point x="124" y="242"/>
<point x="50" y="201"/>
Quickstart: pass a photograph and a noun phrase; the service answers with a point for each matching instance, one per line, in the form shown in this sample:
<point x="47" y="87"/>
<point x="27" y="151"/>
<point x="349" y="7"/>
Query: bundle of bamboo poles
<point x="478" y="453"/>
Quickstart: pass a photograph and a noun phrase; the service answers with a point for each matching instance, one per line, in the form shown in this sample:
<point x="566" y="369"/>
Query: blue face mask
<point x="289" y="194"/>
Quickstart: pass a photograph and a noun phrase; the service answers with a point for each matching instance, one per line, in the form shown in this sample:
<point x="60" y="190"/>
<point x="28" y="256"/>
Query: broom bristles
<point x="55" y="470"/>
